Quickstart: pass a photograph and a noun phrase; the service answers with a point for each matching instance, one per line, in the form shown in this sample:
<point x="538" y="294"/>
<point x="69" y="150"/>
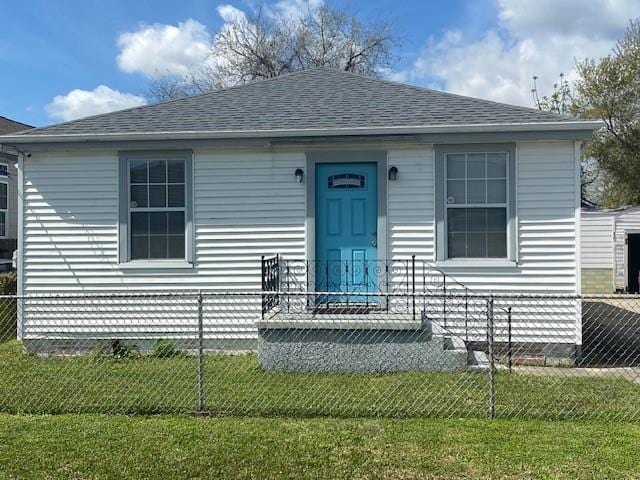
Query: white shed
<point x="610" y="249"/>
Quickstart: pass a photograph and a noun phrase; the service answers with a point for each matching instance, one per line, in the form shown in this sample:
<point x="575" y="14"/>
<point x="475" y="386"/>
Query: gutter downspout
<point x="20" y="254"/>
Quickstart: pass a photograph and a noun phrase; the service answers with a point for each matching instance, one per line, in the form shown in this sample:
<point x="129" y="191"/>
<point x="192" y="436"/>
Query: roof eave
<point x="315" y="132"/>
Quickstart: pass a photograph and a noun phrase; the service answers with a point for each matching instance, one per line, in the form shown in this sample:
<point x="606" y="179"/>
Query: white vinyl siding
<point x="597" y="239"/>
<point x="410" y="211"/>
<point x="546" y="200"/>
<point x="248" y="204"/>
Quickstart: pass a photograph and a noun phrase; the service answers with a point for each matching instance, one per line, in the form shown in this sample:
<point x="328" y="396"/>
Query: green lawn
<point x="163" y="447"/>
<point x="235" y="385"/>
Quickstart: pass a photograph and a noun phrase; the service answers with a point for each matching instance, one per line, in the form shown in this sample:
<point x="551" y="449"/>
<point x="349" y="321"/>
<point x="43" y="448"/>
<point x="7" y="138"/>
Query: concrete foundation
<point x="84" y="346"/>
<point x="534" y="354"/>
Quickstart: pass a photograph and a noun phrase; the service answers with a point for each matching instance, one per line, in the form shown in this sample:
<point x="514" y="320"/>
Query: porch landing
<point x="373" y="342"/>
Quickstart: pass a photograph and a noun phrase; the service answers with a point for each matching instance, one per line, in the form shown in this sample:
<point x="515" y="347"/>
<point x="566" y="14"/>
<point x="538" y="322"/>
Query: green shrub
<point x="116" y="350"/>
<point x="164" y="349"/>
<point x="8" y="283"/>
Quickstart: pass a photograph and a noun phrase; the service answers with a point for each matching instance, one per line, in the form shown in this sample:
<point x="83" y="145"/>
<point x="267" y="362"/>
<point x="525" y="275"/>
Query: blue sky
<point x="56" y="54"/>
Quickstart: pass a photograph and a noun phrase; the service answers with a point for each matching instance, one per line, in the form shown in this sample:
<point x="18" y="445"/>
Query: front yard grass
<point x="235" y="385"/>
<point x="101" y="446"/>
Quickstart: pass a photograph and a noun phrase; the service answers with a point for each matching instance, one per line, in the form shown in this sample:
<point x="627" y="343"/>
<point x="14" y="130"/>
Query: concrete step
<point x="357" y="345"/>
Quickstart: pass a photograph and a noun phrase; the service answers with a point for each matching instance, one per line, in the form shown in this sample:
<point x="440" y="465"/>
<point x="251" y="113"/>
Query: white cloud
<point x="182" y="49"/>
<point x="602" y="18"/>
<point x="230" y="14"/>
<point x="542" y="38"/>
<point x="82" y="103"/>
<point x="291" y="9"/>
<point x="164" y="49"/>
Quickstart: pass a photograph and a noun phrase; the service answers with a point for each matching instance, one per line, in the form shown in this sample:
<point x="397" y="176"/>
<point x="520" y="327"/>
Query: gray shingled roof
<point x="312" y="99"/>
<point x="11" y="126"/>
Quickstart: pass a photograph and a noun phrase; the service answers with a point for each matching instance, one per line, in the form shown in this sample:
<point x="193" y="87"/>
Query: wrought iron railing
<point x="356" y="286"/>
<point x="270" y="267"/>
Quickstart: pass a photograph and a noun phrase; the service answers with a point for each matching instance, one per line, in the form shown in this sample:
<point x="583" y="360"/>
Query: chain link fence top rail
<point x="398" y="354"/>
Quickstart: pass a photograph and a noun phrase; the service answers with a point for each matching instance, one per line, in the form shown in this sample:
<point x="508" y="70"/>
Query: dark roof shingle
<point x="312" y="99"/>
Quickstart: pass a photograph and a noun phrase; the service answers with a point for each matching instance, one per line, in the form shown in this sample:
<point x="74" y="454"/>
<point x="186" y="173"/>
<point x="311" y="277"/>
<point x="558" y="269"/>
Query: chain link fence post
<point x="491" y="373"/>
<point x="510" y="353"/>
<point x="201" y="395"/>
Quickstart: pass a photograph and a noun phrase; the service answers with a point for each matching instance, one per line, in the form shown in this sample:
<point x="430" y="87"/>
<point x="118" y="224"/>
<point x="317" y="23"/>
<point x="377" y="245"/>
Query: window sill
<point x="477" y="263"/>
<point x="157" y="265"/>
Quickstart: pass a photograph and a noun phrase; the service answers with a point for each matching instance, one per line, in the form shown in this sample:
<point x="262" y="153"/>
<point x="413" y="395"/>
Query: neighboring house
<point x="610" y="250"/>
<point x="319" y="165"/>
<point x="9" y="191"/>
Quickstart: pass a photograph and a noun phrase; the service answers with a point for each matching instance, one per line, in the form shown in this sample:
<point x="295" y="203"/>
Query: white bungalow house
<point x="318" y="166"/>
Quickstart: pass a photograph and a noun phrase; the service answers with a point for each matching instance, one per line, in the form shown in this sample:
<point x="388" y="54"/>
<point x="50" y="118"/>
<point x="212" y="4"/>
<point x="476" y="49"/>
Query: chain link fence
<point x="397" y="354"/>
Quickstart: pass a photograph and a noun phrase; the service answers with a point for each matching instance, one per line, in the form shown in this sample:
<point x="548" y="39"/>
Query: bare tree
<point x="262" y="45"/>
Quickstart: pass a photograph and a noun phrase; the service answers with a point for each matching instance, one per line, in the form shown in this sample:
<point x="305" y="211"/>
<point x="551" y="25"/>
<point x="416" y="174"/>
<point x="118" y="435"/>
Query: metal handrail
<point x="357" y="280"/>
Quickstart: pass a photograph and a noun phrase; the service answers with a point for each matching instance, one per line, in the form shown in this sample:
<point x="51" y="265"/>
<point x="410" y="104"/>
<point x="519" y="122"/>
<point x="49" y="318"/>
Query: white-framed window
<point x="477" y="204"/>
<point x="157" y="209"/>
<point x="155" y="206"/>
<point x="4" y="198"/>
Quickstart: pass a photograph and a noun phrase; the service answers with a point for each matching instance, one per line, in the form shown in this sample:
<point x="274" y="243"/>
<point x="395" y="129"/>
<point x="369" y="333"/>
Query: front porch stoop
<point x="357" y="344"/>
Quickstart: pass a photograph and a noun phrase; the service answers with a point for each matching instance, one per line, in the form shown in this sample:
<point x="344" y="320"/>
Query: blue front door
<point x="346" y="229"/>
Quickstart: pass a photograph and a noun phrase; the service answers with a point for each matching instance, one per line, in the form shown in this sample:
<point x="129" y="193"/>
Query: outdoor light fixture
<point x="299" y="175"/>
<point x="393" y="174"/>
